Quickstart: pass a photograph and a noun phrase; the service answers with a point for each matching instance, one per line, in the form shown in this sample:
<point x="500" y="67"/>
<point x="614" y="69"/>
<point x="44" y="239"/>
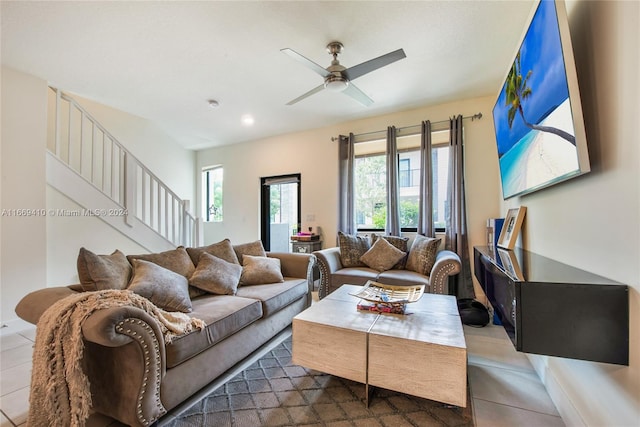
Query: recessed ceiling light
<point x="247" y="120"/>
<point x="213" y="103"/>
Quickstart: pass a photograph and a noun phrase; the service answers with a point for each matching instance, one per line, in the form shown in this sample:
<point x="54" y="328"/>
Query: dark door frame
<point x="265" y="203"/>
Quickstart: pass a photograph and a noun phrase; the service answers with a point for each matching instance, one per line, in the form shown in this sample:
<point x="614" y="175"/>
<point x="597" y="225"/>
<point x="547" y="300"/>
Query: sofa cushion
<point x="353" y="276"/>
<point x="401" y="243"/>
<point x="216" y="275"/>
<point x="403" y="277"/>
<point x="258" y="270"/>
<point x="224" y="316"/>
<point x="352" y="247"/>
<point x="99" y="272"/>
<point x="382" y="255"/>
<point x="222" y="249"/>
<point x="165" y="288"/>
<point x="276" y="296"/>
<point x="422" y="255"/>
<point x="252" y="248"/>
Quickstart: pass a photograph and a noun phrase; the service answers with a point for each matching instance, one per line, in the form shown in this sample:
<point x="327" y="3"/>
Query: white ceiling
<point x="162" y="60"/>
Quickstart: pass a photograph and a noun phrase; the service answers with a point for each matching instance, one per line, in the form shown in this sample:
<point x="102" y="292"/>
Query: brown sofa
<point x="124" y="345"/>
<point x="334" y="273"/>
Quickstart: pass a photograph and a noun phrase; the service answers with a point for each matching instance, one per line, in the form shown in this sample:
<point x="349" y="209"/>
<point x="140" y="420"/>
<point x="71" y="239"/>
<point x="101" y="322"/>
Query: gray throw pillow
<point x="164" y="288"/>
<point x="422" y="254"/>
<point x="100" y="272"/>
<point x="223" y="250"/>
<point x="258" y="270"/>
<point x="352" y="247"/>
<point x="382" y="256"/>
<point x="401" y="243"/>
<point x="252" y="248"/>
<point x="176" y="260"/>
<point x="216" y="275"/>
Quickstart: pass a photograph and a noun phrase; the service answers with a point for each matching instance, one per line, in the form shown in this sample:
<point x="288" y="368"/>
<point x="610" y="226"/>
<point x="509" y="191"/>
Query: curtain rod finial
<point x="476" y="116"/>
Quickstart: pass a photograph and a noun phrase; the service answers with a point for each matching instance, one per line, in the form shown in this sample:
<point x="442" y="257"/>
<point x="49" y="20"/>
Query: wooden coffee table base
<point x="423" y="353"/>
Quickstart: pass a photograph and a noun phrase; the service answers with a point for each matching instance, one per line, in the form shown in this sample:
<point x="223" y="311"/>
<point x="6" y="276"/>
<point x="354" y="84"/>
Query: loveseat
<point x="391" y="260"/>
<point x="135" y="376"/>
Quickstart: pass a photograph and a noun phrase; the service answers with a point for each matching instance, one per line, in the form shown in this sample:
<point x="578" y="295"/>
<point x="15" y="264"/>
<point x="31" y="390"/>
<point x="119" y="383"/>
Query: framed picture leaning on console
<point x="511" y="228"/>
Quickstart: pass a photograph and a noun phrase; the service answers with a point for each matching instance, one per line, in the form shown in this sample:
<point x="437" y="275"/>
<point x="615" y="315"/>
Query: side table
<point x="305" y="247"/>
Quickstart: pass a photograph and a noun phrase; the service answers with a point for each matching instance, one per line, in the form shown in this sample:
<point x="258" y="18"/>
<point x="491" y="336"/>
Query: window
<point x="370" y="182"/>
<point x="212" y="188"/>
<point x="404" y="172"/>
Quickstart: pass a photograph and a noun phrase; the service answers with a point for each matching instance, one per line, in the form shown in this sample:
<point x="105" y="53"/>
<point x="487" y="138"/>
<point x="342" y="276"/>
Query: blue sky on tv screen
<point x="540" y="52"/>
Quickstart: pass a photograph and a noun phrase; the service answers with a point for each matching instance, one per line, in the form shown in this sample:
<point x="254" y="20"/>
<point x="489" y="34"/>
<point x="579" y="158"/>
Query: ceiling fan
<point x="337" y="78"/>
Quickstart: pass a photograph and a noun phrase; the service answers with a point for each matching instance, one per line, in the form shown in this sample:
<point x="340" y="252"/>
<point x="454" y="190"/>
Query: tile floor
<point x="505" y="389"/>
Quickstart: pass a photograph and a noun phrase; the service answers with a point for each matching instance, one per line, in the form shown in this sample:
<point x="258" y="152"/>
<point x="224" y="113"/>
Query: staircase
<point x="89" y="165"/>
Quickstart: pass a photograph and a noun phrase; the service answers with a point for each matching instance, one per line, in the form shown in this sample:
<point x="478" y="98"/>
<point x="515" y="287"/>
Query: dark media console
<point x="554" y="309"/>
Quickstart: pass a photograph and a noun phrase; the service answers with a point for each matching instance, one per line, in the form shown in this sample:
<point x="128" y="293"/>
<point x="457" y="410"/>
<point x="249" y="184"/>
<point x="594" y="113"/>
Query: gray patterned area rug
<point x="275" y="392"/>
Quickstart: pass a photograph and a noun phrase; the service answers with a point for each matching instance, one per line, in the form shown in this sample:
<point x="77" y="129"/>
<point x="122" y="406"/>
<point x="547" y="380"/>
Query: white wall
<point x="23" y="264"/>
<point x="67" y="234"/>
<point x="593" y="222"/>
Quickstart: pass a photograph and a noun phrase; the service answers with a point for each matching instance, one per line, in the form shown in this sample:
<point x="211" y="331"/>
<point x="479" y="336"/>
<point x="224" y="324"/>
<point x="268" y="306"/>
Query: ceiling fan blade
<point x="353" y="91"/>
<point x="373" y="64"/>
<point x="311" y="92"/>
<point x="306" y="61"/>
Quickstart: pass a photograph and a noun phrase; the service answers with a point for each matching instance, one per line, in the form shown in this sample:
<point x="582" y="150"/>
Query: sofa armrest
<point x="125" y="363"/>
<point x="297" y="265"/>
<point x="328" y="263"/>
<point x="447" y="264"/>
<point x="32" y="305"/>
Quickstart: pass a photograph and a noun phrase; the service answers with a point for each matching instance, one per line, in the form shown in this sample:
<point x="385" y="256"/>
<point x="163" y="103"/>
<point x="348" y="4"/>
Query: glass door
<point x="280" y="211"/>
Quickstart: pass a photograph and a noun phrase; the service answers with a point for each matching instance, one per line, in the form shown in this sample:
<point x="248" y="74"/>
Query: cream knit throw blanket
<point x="60" y="393"/>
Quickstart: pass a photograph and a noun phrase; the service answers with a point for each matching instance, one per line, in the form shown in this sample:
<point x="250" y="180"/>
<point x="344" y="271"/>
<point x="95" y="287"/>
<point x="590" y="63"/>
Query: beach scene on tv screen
<point x="532" y="116"/>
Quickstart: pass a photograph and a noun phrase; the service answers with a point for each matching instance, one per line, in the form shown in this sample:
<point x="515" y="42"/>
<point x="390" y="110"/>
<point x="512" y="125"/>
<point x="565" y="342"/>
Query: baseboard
<point x="559" y="397"/>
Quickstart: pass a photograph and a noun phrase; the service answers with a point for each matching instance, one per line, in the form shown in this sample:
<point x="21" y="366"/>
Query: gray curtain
<point x="346" y="207"/>
<point x="393" y="208"/>
<point x="425" y="208"/>
<point x="456" y="238"/>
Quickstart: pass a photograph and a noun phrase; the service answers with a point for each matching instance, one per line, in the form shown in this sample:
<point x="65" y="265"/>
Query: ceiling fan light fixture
<point x="336" y="83"/>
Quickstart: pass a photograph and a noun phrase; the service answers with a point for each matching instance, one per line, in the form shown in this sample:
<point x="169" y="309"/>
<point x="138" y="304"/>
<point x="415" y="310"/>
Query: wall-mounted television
<point x="538" y="114"/>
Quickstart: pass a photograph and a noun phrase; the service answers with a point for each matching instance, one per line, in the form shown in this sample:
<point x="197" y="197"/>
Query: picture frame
<point x="510" y="263"/>
<point x="511" y="228"/>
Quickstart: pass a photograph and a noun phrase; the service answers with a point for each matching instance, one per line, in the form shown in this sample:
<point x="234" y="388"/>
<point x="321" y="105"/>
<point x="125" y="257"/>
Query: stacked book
<point x="383" y="307"/>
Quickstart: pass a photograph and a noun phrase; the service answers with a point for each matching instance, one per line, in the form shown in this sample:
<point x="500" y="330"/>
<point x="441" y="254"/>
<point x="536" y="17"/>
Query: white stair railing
<point x="85" y="146"/>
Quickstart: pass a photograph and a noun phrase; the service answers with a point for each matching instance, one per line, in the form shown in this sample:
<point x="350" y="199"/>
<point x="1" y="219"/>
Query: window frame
<point x="208" y="195"/>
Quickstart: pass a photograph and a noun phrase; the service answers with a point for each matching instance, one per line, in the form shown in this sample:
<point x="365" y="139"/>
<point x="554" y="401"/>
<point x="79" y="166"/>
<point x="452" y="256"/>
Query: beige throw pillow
<point x="165" y="288"/>
<point x="422" y="254"/>
<point x="258" y="270"/>
<point x="382" y="255"/>
<point x="223" y="250"/>
<point x="216" y="275"/>
<point x="352" y="248"/>
<point x="100" y="272"/>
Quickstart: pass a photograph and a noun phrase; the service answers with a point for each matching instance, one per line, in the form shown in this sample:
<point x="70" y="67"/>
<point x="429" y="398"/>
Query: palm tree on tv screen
<point x="517" y="91"/>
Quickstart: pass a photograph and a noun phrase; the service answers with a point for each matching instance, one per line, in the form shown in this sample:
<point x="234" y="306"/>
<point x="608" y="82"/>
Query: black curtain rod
<point x="477" y="116"/>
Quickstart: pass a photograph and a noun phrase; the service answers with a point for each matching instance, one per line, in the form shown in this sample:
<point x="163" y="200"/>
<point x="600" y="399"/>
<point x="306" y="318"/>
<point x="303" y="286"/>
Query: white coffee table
<point x="422" y="353"/>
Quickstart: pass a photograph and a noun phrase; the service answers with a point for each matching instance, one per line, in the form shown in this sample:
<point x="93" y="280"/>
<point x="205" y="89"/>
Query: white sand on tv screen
<point x="550" y="156"/>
